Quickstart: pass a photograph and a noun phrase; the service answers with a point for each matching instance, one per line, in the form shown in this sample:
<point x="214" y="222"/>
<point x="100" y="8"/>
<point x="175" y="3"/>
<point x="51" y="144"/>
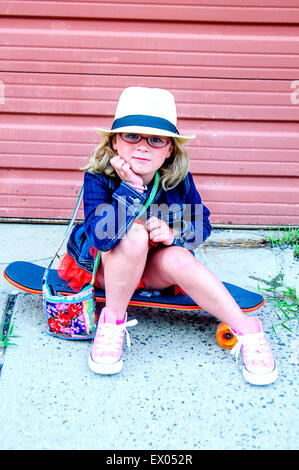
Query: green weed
<point x="285" y="236"/>
<point x="6" y="335"/>
<point x="284" y="298"/>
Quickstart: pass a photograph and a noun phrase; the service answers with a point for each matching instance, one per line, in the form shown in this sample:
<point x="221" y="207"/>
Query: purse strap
<point x="67" y="232"/>
<point x="71" y="223"/>
<point x="151" y="196"/>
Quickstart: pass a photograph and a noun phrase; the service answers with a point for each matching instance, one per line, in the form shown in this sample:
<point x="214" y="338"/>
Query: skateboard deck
<point x="28" y="277"/>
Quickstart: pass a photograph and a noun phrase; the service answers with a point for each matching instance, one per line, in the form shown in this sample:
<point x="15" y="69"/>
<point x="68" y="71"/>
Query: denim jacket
<point x="112" y="205"/>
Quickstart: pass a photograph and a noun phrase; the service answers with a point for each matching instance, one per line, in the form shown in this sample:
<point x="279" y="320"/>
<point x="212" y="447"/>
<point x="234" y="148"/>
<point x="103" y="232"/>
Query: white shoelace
<point x="253" y="344"/>
<point x="111" y="335"/>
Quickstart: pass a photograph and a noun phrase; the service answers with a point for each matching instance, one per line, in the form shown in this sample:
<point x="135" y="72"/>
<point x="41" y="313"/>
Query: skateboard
<point x="28" y="277"/>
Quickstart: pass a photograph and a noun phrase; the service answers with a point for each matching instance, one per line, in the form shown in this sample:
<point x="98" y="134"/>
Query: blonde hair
<point x="173" y="171"/>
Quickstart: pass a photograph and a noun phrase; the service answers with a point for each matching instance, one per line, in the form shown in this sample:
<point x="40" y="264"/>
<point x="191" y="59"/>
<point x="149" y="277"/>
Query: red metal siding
<point x="232" y="78"/>
<point x="241" y="11"/>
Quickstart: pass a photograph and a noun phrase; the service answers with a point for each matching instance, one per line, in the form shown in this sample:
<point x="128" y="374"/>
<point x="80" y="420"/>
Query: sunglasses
<point x="153" y="140"/>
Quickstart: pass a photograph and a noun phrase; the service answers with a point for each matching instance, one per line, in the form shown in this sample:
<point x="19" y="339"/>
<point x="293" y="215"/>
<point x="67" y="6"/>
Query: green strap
<point x="95" y="267"/>
<point x="145" y="206"/>
<point x="67" y="232"/>
<point x="151" y="196"/>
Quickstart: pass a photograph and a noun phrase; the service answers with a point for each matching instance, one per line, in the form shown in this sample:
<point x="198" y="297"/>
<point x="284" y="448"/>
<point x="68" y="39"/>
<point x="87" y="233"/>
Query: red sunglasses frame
<point x="168" y="139"/>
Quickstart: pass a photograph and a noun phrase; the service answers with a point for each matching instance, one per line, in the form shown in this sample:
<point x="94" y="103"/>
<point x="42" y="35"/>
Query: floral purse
<point x="74" y="316"/>
<point x="70" y="316"/>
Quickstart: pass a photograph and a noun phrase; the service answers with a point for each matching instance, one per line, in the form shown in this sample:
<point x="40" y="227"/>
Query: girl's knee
<point x="137" y="233"/>
<point x="177" y="259"/>
<point x="136" y="240"/>
<point x="166" y="266"/>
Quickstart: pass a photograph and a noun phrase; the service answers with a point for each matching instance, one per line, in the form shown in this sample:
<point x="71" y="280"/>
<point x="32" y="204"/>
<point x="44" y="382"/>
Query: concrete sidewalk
<point x="178" y="389"/>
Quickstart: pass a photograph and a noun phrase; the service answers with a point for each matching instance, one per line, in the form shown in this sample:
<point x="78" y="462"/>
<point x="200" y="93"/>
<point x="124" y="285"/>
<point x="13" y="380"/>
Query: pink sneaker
<point x="259" y="365"/>
<point x="105" y="356"/>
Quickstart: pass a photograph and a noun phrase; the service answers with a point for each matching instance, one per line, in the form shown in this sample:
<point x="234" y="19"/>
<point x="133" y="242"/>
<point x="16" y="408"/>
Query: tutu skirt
<point x="76" y="277"/>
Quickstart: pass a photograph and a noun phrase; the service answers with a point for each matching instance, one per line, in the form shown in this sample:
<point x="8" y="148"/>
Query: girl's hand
<point x="159" y="231"/>
<point x="124" y="171"/>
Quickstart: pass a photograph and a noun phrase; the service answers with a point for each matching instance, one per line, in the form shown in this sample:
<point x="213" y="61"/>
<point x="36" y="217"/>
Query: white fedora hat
<point x="143" y="110"/>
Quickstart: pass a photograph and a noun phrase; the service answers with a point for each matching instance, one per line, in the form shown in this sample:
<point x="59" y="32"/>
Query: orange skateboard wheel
<point x="225" y="337"/>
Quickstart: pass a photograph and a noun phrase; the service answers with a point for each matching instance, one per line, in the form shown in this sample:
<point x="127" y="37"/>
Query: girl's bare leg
<point x="176" y="265"/>
<point x="122" y="267"/>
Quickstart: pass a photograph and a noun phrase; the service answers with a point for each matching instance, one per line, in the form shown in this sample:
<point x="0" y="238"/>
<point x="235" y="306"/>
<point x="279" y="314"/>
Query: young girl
<point x="155" y="251"/>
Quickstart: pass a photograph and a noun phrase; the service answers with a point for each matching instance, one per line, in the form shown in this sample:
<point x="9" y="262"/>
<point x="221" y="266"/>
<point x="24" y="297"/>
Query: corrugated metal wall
<point x="231" y="64"/>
